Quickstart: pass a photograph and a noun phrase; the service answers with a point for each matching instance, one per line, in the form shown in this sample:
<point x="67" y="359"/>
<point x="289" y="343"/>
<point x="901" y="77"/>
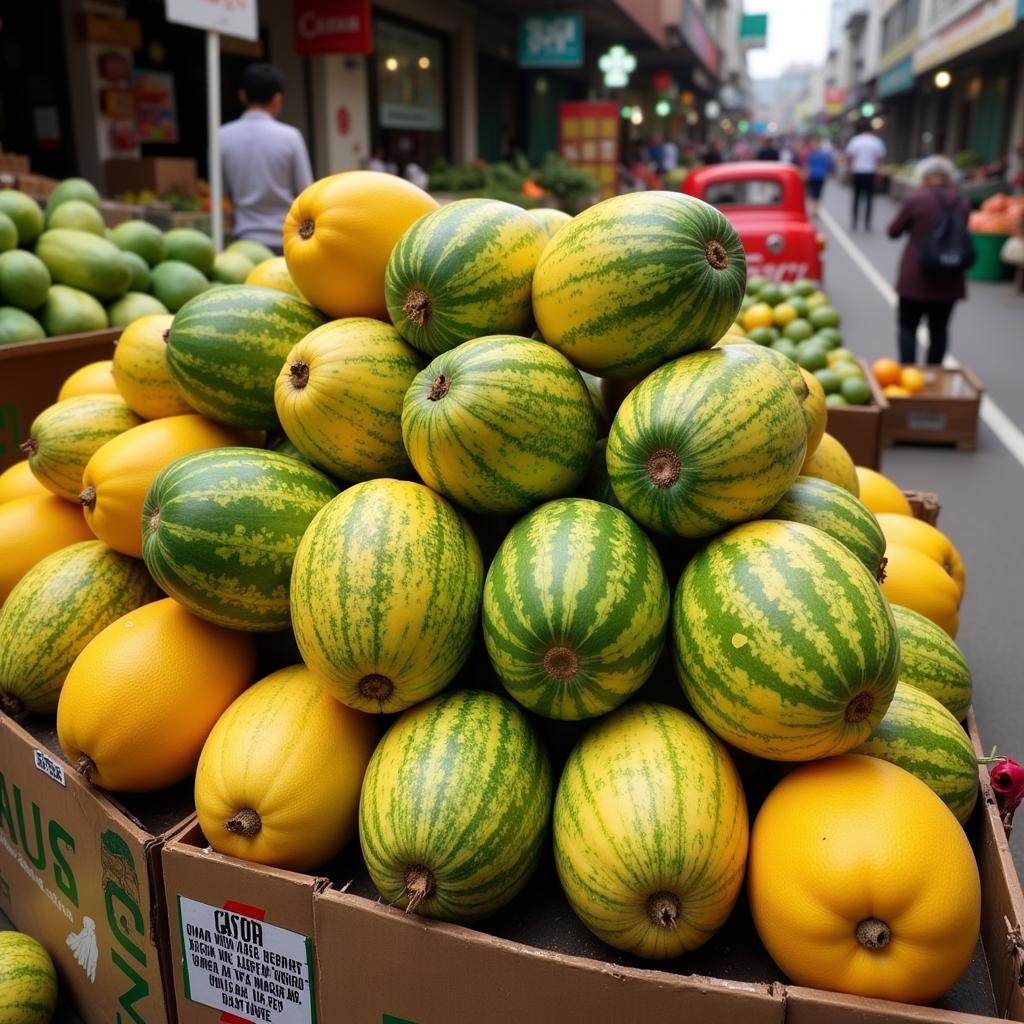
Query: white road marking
<point x="991" y="414"/>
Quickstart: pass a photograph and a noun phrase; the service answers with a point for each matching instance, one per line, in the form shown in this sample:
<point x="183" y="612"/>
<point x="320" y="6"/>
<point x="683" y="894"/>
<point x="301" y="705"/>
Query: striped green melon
<point x="463" y="271"/>
<point x="455" y="806"/>
<point x="931" y="661"/>
<point x="226" y="348"/>
<point x="64" y="436"/>
<point x="550" y="220"/>
<point x="575" y="609"/>
<point x="339" y="398"/>
<point x="283" y="446"/>
<point x="836" y="511"/>
<point x="637" y="280"/>
<point x="28" y="981"/>
<point x="385" y="594"/>
<point x="220" y="529"/>
<point x="709" y="440"/>
<point x="650" y="831"/>
<point x="922" y="737"/>
<point x="499" y="424"/>
<point x="54" y="610"/>
<point x="784" y="644"/>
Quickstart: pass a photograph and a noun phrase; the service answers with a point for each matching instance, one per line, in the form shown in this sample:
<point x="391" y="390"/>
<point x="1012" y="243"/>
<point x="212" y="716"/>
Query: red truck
<point x="764" y="201"/>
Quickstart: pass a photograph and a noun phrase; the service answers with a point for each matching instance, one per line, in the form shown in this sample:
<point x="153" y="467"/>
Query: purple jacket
<point x="914" y="218"/>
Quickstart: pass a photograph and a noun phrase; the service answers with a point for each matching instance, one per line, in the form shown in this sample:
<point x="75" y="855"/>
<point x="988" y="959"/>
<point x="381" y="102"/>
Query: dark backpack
<point x="948" y="245"/>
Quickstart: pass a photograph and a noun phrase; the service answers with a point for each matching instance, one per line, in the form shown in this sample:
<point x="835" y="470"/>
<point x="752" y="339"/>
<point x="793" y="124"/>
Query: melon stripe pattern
<point x="931" y="660"/>
<point x="575" y="609"/>
<point x="637" y="280"/>
<point x="220" y="529"/>
<point x="64" y="436"/>
<point x="461" y="787"/>
<point x="923" y="738"/>
<point x="709" y="440"/>
<point x="499" y="424"/>
<point x="650" y="831"/>
<point x="784" y="643"/>
<point x="385" y="594"/>
<point x="464" y="271"/>
<point x="56" y="608"/>
<point x="339" y="397"/>
<point x="28" y="981"/>
<point x="226" y="348"/>
<point x="835" y="510"/>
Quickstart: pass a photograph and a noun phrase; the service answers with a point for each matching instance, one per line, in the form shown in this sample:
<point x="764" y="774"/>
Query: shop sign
<point x="616" y="66"/>
<point x="332" y="26"/>
<point x="588" y="138"/>
<point x="753" y="30"/>
<point x="551" y="41"/>
<point x="156" y="115"/>
<point x="898" y="78"/>
<point x="95" y="28"/>
<point x="835" y="99"/>
<point x="986" y="21"/>
<point x="697" y="36"/>
<point x="229" y="17"/>
<point x="410" y="78"/>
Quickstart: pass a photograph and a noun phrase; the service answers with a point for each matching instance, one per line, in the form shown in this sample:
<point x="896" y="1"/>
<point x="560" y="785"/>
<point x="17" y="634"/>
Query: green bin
<point x="988" y="266"/>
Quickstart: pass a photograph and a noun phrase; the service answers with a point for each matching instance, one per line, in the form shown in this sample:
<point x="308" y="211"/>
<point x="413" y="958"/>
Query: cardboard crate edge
<point x="60" y="343"/>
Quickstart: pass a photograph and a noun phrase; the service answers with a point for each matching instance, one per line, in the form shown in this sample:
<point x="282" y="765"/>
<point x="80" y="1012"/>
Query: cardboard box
<point x="944" y="412"/>
<point x="924" y="505"/>
<point x="81" y="872"/>
<point x="38" y="186"/>
<point x="156" y="173"/>
<point x="117" y="213"/>
<point x="31" y="373"/>
<point x="14" y="163"/>
<point x="858" y="428"/>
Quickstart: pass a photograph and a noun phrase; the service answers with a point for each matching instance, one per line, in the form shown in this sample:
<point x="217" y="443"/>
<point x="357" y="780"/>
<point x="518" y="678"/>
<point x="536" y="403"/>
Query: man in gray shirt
<point x="265" y="162"/>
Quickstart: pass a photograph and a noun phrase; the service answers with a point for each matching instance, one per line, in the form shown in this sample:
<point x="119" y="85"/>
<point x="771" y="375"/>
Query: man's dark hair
<point x="261" y="83"/>
<point x="863" y="125"/>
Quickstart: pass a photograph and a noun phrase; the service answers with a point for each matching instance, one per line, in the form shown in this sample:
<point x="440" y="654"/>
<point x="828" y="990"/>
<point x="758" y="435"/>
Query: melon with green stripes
<point x="923" y="738"/>
<point x="220" y="529"/>
<point x="711" y="439"/>
<point x="65" y="435"/>
<point x="784" y="644"/>
<point x="54" y="610"/>
<point x="637" y="280"/>
<point x="650" y="831"/>
<point x="575" y="609"/>
<point x="385" y="594"/>
<point x="464" y="271"/>
<point x="499" y="424"/>
<point x="550" y="220"/>
<point x="455" y="806"/>
<point x="339" y="397"/>
<point x="931" y="660"/>
<point x="28" y="980"/>
<point x="226" y="348"/>
<point x="835" y="510"/>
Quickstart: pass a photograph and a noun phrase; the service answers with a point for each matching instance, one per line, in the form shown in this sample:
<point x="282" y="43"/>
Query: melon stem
<point x="664" y="467"/>
<point x="10" y="704"/>
<point x="306" y="228"/>
<point x="417" y="307"/>
<point x="29" y="447"/>
<point x="419" y="886"/>
<point x="376" y="687"/>
<point x="87" y="499"/>
<point x="717" y="254"/>
<point x="299" y="373"/>
<point x="86" y="767"/>
<point x="860" y="707"/>
<point x="439" y="388"/>
<point x="561" y="663"/>
<point x="663" y="909"/>
<point x="874" y="934"/>
<point x="246" y="823"/>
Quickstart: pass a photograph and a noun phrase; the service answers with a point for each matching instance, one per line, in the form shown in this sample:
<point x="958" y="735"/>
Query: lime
<point x="746" y="302"/>
<point x="856" y="391"/>
<point x="812" y="358"/>
<point x="847" y="370"/>
<point x="835" y="399"/>
<point x="826" y="341"/>
<point x="763" y="335"/>
<point x="824" y="316"/>
<point x="798" y="330"/>
<point x="771" y="293"/>
<point x="799" y="305"/>
<point x="786" y="347"/>
<point x="755" y="284"/>
<point x="816" y="301"/>
<point x="842" y="355"/>
<point x="804" y="287"/>
<point x="829" y="380"/>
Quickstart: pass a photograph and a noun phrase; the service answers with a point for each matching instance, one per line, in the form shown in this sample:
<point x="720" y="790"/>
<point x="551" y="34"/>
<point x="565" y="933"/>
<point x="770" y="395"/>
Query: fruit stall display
<point x="415" y="478"/>
<point x="63" y="272"/>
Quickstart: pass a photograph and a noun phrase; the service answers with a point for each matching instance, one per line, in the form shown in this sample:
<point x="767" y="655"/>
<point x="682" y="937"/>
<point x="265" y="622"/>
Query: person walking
<point x="932" y="269"/>
<point x="768" y="151"/>
<point x="818" y="165"/>
<point x="865" y="151"/>
<point x="265" y="163"/>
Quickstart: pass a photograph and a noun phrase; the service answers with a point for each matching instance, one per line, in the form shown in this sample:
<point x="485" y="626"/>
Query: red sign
<point x="343" y="120"/>
<point x="332" y="26"/>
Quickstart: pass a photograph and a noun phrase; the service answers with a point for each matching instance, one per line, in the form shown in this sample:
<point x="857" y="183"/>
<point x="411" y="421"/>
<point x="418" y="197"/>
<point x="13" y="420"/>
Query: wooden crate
<point x="944" y="412"/>
<point x="858" y="428"/>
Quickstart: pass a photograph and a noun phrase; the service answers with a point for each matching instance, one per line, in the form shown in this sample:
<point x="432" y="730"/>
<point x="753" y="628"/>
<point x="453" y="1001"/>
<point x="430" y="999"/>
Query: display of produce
<point x="462" y="272"/>
<point x="28" y="980"/>
<point x="637" y="280"/>
<point x="474" y="759"/>
<point x="189" y="670"/>
<point x="262" y="791"/>
<point x="898" y="381"/>
<point x="499" y="424"/>
<point x="92" y="379"/>
<point x="69" y="189"/>
<point x="931" y="661"/>
<point x="852" y="856"/>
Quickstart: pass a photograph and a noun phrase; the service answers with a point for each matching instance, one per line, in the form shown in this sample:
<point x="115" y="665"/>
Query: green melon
<point x="8" y="234"/>
<point x="69" y="189"/>
<point x="28" y="981"/>
<point x="85" y="261"/>
<point x="25" y="212"/>
<point x="131" y="306"/>
<point x="174" y="283"/>
<point x="190" y="246"/>
<point x="143" y="239"/>
<point x="141" y="277"/>
<point x="71" y="311"/>
<point x="254" y="252"/>
<point x="17" y="325"/>
<point x="79" y="216"/>
<point x="931" y="661"/>
<point x="231" y="267"/>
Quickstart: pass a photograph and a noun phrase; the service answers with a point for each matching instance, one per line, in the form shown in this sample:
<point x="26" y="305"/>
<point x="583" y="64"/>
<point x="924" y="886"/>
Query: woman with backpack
<point x="937" y="255"/>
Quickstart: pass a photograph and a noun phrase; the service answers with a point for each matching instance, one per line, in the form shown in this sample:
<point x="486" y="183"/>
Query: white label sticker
<point x="926" y="420"/>
<point x="48" y="766"/>
<point x="245" y="967"/>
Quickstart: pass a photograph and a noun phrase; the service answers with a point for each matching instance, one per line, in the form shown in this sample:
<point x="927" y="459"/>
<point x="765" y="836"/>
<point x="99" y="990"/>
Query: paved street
<point x="982" y="492"/>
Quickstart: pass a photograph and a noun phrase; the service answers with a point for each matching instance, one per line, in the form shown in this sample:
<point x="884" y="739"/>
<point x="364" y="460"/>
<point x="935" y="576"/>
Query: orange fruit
<point x="887" y="371"/>
<point x="18" y="481"/>
<point x="861" y="880"/>
<point x="915" y="533"/>
<point x="880" y="494"/>
<point x="912" y="379"/>
<point x="339" y="234"/>
<point x="760" y="314"/>
<point x="895" y="391"/>
<point x="91" y="379"/>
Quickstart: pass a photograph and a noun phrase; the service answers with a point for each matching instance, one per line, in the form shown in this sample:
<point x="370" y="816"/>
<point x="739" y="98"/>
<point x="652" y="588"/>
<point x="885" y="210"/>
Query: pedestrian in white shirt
<point x="265" y="162"/>
<point x="865" y="151"/>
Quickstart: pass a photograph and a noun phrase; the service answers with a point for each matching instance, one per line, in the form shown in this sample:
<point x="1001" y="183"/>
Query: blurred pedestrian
<point x="865" y="151"/>
<point x="669" y="156"/>
<point x="656" y="153"/>
<point x="769" y="150"/>
<point x="936" y="256"/>
<point x="818" y="165"/>
<point x="265" y="163"/>
<point x="712" y="154"/>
